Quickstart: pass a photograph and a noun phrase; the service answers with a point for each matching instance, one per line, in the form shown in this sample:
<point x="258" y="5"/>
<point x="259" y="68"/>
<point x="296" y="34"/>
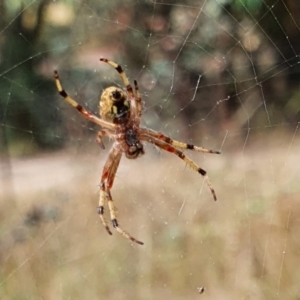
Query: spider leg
<point x="168" y="147"/>
<point x="138" y="99"/>
<point x="102" y="133"/>
<point x="133" y="111"/>
<point x="102" y="200"/>
<point x="109" y="165"/>
<point x="122" y="75"/>
<point x="115" y="221"/>
<point x="168" y="140"/>
<point x="107" y="181"/>
<point x="81" y="109"/>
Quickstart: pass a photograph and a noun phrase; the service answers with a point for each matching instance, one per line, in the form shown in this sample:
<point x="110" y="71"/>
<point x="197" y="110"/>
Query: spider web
<point x="221" y="74"/>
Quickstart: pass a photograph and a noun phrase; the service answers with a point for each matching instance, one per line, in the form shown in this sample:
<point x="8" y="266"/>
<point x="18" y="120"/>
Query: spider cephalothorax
<point x="135" y="147"/>
<point x="120" y="114"/>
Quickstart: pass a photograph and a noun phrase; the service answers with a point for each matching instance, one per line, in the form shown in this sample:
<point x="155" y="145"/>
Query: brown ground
<point x="244" y="246"/>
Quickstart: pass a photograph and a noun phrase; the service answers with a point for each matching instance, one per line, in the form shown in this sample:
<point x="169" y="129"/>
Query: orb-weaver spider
<point x="120" y="115"/>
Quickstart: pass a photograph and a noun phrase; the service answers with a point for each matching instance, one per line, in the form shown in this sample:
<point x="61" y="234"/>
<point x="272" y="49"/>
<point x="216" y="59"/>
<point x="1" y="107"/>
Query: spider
<point x="120" y="116"/>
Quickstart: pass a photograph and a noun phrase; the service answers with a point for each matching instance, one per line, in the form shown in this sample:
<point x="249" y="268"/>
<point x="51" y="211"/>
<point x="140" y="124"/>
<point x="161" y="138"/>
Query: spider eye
<point x="116" y="95"/>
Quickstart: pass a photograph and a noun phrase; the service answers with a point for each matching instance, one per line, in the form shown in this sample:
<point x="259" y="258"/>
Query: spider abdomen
<point x="114" y="106"/>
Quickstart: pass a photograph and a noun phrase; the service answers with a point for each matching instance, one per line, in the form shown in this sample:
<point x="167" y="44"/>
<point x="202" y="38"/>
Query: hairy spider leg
<point x="107" y="180"/>
<point x="138" y="99"/>
<point x="102" y="197"/>
<point x="114" y="220"/>
<point x="168" y="140"/>
<point x="102" y="133"/>
<point x="81" y="109"/>
<point x="167" y="147"/>
<point x="112" y="209"/>
<point x="133" y="105"/>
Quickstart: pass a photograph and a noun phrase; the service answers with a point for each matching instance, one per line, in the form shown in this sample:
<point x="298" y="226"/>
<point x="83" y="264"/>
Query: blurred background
<point x="222" y="74"/>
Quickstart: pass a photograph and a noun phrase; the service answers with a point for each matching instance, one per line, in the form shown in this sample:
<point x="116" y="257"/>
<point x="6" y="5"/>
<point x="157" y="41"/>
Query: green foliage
<point x="25" y="92"/>
<point x="252" y="6"/>
<point x="186" y="61"/>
